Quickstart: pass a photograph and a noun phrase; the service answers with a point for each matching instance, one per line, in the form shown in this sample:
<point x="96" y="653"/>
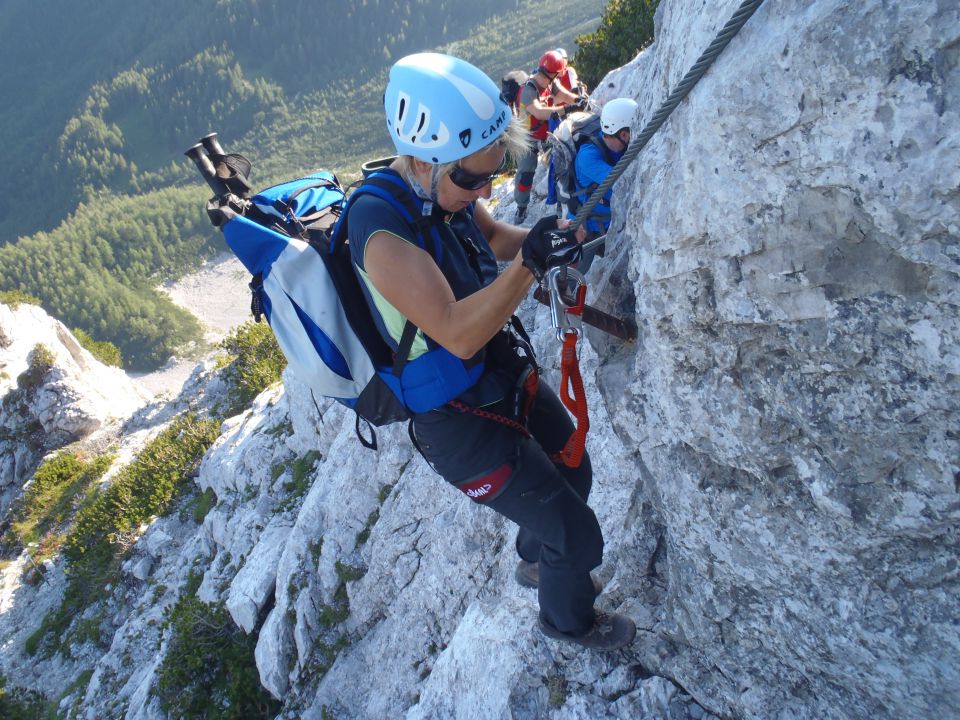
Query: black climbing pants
<point x="496" y="466"/>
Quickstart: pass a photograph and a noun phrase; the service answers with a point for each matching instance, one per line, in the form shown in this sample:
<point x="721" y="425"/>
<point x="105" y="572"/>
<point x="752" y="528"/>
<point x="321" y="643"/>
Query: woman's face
<point x="472" y="178"/>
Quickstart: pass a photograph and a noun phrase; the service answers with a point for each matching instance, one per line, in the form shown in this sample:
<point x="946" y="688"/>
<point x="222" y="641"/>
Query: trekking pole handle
<point x="198" y="154"/>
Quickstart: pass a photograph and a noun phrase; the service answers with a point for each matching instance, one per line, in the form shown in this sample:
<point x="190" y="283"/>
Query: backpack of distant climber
<point x="575" y="130"/>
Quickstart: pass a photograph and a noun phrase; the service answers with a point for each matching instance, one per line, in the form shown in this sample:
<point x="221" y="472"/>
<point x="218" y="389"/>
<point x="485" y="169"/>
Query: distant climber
<point x="495" y="442"/>
<point x="570" y="81"/>
<point x="536" y="96"/>
<point x="595" y="159"/>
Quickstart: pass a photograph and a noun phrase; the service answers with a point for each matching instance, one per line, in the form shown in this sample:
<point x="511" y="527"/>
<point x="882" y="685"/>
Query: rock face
<point x="790" y="240"/>
<point x="72" y="397"/>
<point x="775" y="458"/>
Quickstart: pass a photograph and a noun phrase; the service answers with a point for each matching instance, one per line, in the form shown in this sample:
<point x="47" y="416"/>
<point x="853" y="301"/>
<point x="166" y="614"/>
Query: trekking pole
<point x="696" y="72"/>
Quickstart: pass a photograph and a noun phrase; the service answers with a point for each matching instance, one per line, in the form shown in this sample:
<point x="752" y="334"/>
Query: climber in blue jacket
<point x="595" y="159"/>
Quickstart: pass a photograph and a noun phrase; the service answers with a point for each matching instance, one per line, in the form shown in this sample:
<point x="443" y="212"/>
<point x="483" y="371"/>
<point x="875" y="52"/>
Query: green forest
<point x="98" y="205"/>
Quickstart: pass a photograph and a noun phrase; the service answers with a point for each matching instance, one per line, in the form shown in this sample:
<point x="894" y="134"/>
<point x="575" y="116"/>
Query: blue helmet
<point x="441" y="109"/>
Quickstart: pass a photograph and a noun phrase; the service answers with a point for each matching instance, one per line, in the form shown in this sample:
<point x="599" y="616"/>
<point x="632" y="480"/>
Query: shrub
<point x="209" y="669"/>
<point x="21" y="704"/>
<point x="105" y="352"/>
<point x="254" y="363"/>
<point x="41" y="362"/>
<point x="625" y="28"/>
<point x="146" y="487"/>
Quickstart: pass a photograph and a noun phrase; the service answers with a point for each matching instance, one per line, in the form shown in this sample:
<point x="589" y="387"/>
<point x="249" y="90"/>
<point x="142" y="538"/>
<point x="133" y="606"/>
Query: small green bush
<point x="203" y="504"/>
<point x="254" y="362"/>
<point x="41" y="362"/>
<point x="209" y="669"/>
<point x="625" y="28"/>
<point x="21" y="704"/>
<point x="15" y="298"/>
<point x="105" y="352"/>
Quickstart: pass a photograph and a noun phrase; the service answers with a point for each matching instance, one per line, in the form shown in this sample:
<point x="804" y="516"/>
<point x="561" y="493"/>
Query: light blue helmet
<point x="441" y="109"/>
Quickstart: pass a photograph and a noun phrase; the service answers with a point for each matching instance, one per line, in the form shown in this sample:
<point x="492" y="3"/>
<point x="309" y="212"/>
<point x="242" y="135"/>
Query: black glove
<point x="546" y="247"/>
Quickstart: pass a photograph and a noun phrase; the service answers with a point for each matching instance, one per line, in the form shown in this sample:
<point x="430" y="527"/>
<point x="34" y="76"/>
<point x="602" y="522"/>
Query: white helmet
<point x="617" y="115"/>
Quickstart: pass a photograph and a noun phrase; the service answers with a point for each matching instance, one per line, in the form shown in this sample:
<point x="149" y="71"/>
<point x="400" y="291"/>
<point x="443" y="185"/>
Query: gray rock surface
<point x="790" y="247"/>
<point x="776" y="457"/>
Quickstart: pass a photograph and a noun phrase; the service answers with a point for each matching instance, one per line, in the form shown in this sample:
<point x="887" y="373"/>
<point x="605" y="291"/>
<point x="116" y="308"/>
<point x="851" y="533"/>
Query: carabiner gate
<point x="566" y="318"/>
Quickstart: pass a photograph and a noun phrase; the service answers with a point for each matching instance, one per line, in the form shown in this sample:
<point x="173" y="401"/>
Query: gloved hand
<point x="546" y="247"/>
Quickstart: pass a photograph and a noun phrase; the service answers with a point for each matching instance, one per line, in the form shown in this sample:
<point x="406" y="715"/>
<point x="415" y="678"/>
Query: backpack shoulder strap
<point x="392" y="189"/>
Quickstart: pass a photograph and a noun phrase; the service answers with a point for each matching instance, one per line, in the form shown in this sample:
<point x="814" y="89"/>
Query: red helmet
<point x="552" y="62"/>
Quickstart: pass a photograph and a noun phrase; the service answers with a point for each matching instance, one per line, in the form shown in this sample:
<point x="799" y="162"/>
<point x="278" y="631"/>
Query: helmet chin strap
<point x="434" y="182"/>
<point x="421" y="192"/>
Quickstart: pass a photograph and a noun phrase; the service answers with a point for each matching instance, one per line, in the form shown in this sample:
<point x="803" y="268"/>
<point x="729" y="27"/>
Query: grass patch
<point x="557" y="685"/>
<point x="301" y="478"/>
<point x="331" y="615"/>
<point x="203" y="504"/>
<point x="301" y="469"/>
<point x="374" y="515"/>
<point x="16" y="298"/>
<point x="59" y="485"/>
<point x="107" y="522"/>
<point x="349" y="573"/>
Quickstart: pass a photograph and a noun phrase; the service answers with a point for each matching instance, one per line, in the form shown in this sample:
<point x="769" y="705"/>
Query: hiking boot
<point x="520" y="216"/>
<point x="527" y="574"/>
<point x="610" y="631"/>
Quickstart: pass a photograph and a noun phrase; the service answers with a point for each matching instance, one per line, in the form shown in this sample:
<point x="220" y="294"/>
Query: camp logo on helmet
<point x="494" y="127"/>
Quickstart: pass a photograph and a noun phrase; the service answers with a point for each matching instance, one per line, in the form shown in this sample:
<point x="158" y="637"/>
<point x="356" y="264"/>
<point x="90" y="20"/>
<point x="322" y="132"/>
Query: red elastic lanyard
<point x="572" y="393"/>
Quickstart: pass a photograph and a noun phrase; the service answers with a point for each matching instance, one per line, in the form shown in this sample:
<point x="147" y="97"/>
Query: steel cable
<point x="696" y="72"/>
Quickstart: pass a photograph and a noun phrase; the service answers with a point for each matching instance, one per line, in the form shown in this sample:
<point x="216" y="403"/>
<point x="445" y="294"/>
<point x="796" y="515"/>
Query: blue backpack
<point x="292" y="239"/>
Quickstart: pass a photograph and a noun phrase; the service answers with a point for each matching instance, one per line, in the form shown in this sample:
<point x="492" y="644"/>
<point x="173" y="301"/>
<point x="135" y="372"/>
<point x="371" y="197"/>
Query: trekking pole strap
<point x="693" y="76"/>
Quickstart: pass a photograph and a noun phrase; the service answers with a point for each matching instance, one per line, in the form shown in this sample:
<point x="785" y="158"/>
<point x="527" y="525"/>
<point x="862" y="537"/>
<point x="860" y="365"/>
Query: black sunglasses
<point x="471" y="181"/>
